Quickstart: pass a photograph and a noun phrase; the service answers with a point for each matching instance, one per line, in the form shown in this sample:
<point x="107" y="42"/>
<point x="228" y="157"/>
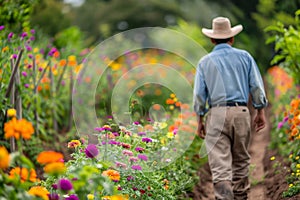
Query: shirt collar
<point x="221" y="46"/>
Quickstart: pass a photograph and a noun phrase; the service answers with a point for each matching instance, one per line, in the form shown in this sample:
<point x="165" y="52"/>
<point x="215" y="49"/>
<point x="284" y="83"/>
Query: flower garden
<point x="43" y="157"/>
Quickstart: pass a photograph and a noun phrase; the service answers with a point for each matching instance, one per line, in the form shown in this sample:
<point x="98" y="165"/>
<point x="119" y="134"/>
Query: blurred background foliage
<point x="84" y="23"/>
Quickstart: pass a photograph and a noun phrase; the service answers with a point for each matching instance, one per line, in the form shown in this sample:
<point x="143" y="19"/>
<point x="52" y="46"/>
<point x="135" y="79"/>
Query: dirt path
<point x="259" y="141"/>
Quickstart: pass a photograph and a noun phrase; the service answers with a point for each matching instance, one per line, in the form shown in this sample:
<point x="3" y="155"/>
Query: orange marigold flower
<point x="39" y="191"/>
<point x="170" y="101"/>
<point x="55" y="168"/>
<point x="112" y="174"/>
<point x="46" y="157"/>
<point x="4" y="158"/>
<point x="18" y="128"/>
<point x="23" y="174"/>
<point x="62" y="62"/>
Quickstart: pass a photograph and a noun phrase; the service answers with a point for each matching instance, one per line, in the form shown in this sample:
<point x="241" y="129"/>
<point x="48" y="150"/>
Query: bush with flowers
<point x="284" y="80"/>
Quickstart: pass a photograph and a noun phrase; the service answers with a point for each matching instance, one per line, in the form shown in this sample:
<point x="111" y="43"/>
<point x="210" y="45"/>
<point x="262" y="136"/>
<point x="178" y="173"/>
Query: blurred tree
<point x="48" y="16"/>
<point x="100" y="19"/>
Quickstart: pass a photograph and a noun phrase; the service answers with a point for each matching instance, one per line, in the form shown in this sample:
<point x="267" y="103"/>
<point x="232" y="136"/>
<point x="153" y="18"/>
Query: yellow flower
<point x="112" y="174"/>
<point x="39" y="191"/>
<point x="298" y="165"/>
<point x="163" y="125"/>
<point x="90" y="197"/>
<point x="297" y="158"/>
<point x="172" y="95"/>
<point x="11" y="112"/>
<point x="5" y="49"/>
<point x="116" y="197"/>
<point x="4" y="158"/>
<point x="55" y="168"/>
<point x="35" y="50"/>
<point x="291" y="185"/>
<point x="291" y="155"/>
<point x="74" y="144"/>
<point x="272" y="158"/>
<point x="170" y="135"/>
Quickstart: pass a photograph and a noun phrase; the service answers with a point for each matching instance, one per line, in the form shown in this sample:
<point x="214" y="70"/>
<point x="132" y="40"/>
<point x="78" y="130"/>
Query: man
<point x="224" y="79"/>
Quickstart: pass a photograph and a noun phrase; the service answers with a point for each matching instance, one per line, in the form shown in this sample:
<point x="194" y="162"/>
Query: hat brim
<point x="234" y="31"/>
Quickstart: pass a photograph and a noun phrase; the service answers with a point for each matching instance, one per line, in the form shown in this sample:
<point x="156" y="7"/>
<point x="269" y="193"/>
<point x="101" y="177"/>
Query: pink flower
<point x="136" y="167"/>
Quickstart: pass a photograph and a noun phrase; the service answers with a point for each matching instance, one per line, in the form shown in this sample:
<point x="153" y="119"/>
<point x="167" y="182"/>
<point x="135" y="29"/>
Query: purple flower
<point x="136" y="123"/>
<point x="10" y="35"/>
<point x="130" y="178"/>
<point x="24" y="74"/>
<point x="136" y="167"/>
<point x="26" y="85"/>
<point x="32" y="38"/>
<point x="52" y="51"/>
<point x="113" y="142"/>
<point x="127" y="153"/>
<point x="32" y="31"/>
<point x="141" y="133"/>
<point x="30" y="56"/>
<point x="175" y="131"/>
<point x="42" y="51"/>
<point x="116" y="134"/>
<point x="14" y="56"/>
<point x="119" y="188"/>
<point x="40" y="69"/>
<point x="146" y="140"/>
<point x="280" y="125"/>
<point x="23" y="35"/>
<point x="2" y="27"/>
<point x="139" y="149"/>
<point x="285" y="119"/>
<point x="91" y="151"/>
<point x="54" y="186"/>
<point x="53" y="196"/>
<point x="72" y="197"/>
<point x="64" y="184"/>
<point x="143" y="157"/>
<point x="28" y="48"/>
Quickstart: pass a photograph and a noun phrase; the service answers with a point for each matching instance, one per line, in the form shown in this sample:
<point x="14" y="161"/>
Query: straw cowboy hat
<point x="221" y="29"/>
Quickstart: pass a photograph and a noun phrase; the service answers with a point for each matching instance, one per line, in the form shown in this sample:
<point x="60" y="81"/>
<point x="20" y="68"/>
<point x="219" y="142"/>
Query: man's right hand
<point x="201" y="130"/>
<point x="260" y="120"/>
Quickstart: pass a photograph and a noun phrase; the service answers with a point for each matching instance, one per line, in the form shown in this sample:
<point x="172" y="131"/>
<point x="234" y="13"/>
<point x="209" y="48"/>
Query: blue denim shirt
<point x="227" y="74"/>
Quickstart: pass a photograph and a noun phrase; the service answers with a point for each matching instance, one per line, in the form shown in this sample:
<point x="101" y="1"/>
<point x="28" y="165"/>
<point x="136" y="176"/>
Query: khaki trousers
<point x="227" y="140"/>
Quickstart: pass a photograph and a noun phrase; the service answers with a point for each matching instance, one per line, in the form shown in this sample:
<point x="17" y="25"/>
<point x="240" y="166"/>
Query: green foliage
<point x="16" y="14"/>
<point x="70" y="37"/>
<point x="287" y="45"/>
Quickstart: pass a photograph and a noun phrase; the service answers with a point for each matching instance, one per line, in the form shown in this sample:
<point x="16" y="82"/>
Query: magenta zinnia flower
<point x="10" y="35"/>
<point x="139" y="149"/>
<point x="2" y="27"/>
<point x="146" y="140"/>
<point x="53" y="196"/>
<point x="72" y="197"/>
<point x="91" y="151"/>
<point x="136" y="167"/>
<point x="65" y="184"/>
<point x="143" y="157"/>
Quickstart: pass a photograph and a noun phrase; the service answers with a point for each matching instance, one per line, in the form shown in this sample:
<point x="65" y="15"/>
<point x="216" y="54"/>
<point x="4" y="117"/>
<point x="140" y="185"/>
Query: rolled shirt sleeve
<point x="256" y="86"/>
